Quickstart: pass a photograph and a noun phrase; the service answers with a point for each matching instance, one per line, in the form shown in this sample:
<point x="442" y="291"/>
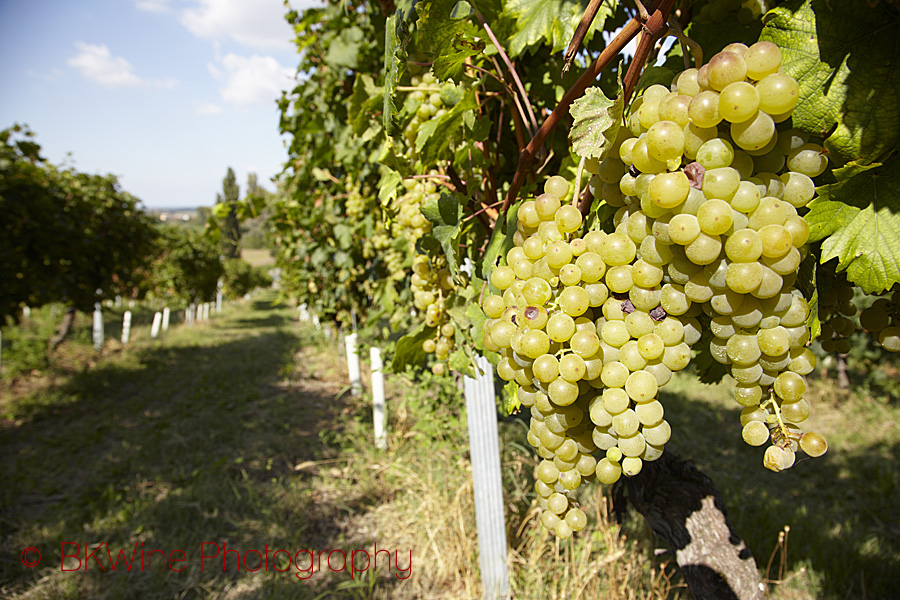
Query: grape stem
<point x="686" y="42"/>
<point x="777" y="411"/>
<point x="577" y="195"/>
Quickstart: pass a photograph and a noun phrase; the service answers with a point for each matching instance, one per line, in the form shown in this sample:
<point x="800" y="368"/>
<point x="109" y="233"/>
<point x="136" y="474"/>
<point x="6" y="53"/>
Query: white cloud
<point x="258" y="24"/>
<point x="157" y="6"/>
<point x="96" y="63"/>
<point x="209" y="108"/>
<point x="251" y="81"/>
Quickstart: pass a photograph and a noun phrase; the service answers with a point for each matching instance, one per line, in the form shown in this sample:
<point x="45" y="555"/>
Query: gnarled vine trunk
<point x="684" y="508"/>
<point x="64" y="328"/>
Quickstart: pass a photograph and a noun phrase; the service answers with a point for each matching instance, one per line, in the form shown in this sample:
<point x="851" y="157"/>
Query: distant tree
<point x="66" y="236"/>
<point x="186" y="265"/>
<point x="231" y="228"/>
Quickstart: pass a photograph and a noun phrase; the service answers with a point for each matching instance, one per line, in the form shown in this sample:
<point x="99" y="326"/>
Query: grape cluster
<point x="410" y="221"/>
<point x="712" y="179"/>
<point x="707" y="235"/>
<point x="836" y="312"/>
<point x="882" y="320"/>
<point x="586" y="331"/>
<point x="427" y="103"/>
<point x="430" y="288"/>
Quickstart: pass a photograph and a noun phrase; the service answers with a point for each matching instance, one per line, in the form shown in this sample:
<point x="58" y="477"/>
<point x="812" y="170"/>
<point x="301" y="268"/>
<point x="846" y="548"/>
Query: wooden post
<point x="378" y="406"/>
<point x="98" y="327"/>
<point x="126" y="327"/>
<point x="353" y="364"/>
<point x="484" y="448"/>
<point x="154" y="328"/>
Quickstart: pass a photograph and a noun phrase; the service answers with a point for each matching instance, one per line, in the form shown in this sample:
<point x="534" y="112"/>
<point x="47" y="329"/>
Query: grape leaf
<point x="435" y="134"/>
<point x="460" y="361"/>
<point x="859" y="220"/>
<point x="445" y="213"/>
<point x="550" y="21"/>
<point x="596" y="121"/>
<point x="343" y="51"/>
<point x="364" y="100"/>
<point x="806" y="283"/>
<point x="409" y="349"/>
<point x="446" y="34"/>
<point x="846" y="58"/>
<point x="511" y="402"/>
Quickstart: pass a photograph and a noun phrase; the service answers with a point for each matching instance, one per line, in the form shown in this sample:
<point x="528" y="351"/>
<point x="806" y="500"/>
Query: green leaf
<point x="435" y="134"/>
<point x="461" y="362"/>
<point x="596" y="121"/>
<point x="551" y="22"/>
<point x="859" y="220"/>
<point x="409" y="349"/>
<point x="806" y="283"/>
<point x="511" y="398"/>
<point x="388" y="185"/>
<point x="846" y="57"/>
<point x="395" y="38"/>
<point x="343" y="51"/>
<point x="447" y="35"/>
<point x="445" y="213"/>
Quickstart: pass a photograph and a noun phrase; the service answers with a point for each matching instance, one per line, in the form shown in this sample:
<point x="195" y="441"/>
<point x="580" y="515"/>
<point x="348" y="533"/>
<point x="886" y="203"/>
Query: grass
<point x="257" y="257"/>
<point x="240" y="432"/>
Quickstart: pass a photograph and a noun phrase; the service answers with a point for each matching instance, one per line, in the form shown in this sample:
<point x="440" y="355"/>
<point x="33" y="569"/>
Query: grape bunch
<point x="582" y="327"/>
<point x="836" y="312"/>
<point x="431" y="287"/>
<point x="882" y="320"/>
<point x="426" y="102"/>
<point x="411" y="223"/>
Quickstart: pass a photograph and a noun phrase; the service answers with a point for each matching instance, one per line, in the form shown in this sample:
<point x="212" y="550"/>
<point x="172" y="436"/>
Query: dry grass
<point x="257" y="257"/>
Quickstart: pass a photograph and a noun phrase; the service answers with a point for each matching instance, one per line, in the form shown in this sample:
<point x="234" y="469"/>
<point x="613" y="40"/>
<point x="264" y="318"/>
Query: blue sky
<point x="166" y="94"/>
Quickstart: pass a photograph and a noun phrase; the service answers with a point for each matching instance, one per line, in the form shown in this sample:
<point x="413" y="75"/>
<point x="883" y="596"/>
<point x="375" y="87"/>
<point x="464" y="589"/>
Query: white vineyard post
<point x="204" y="310"/>
<point x="118" y="301"/>
<point x="353" y="364"/>
<point x="26" y="312"/>
<point x="378" y="407"/>
<point x="154" y="328"/>
<point x="165" y="319"/>
<point x="219" y="297"/>
<point x="126" y="327"/>
<point x="484" y="447"/>
<point x="98" y="327"/>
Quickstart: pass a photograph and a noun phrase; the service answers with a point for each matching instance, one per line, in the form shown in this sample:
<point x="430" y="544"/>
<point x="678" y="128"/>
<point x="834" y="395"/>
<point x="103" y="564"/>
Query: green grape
<point x="714" y="217"/>
<point x="778" y="93"/>
<point x="695" y="136"/>
<point x="715" y="154"/>
<point x="746" y="198"/>
<point x="762" y="58"/>
<point x="684" y="229"/>
<point x="738" y="101"/>
<point x="527" y="214"/>
<point x="686" y="82"/>
<point x="576" y="519"/>
<point x="570" y="480"/>
<point x="570" y="275"/>
<point x="573" y="301"/>
<point x="785" y="265"/>
<point x="645" y="274"/>
<point x="614" y="374"/>
<point x="775" y="341"/>
<point x="704" y="110"/>
<point x="550" y="520"/>
<point x="562" y="392"/>
<point x="755" y="433"/>
<point x="585" y="343"/>
<point x="808" y="159"/>
<point x="615" y="333"/>
<point x="535" y="343"/>
<point x="743" y="278"/>
<point x="743" y="349"/>
<point x="813" y="444"/>
<point x="771" y="211"/>
<point x="755" y="133"/>
<point x="702" y="251"/>
<point x="591" y="266"/>
<point x="725" y="68"/>
<point x="615" y="399"/>
<point x="777" y="458"/>
<point x="617" y="249"/>
<point x="795" y="412"/>
<point x="721" y="183"/>
<point x="558" y="186"/>
<point x="649" y="413"/>
<point x="572" y="367"/>
<point x="776" y="241"/>
<point x="618" y="279"/>
<point x="744" y="245"/>
<point x="665" y="141"/>
<point x="502" y="277"/>
<point x="608" y="472"/>
<point x="558" y="254"/>
<point x="657" y="435"/>
<point x="633" y="445"/>
<point x="558" y="503"/>
<point x="641" y="386"/>
<point x="799" y="230"/>
<point x="643" y="160"/>
<point x="546" y="206"/>
<point x="668" y="190"/>
<point x="676" y="108"/>
<point x="626" y="424"/>
<point x="560" y="327"/>
<point x="568" y="219"/>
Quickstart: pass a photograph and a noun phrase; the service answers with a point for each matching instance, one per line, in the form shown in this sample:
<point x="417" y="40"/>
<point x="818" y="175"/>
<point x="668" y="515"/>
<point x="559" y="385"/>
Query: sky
<point x="165" y="94"/>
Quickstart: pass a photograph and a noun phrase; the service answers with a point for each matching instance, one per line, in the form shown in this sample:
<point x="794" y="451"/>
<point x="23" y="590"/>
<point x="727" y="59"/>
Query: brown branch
<point x="584" y="203"/>
<point x="586" y="19"/>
